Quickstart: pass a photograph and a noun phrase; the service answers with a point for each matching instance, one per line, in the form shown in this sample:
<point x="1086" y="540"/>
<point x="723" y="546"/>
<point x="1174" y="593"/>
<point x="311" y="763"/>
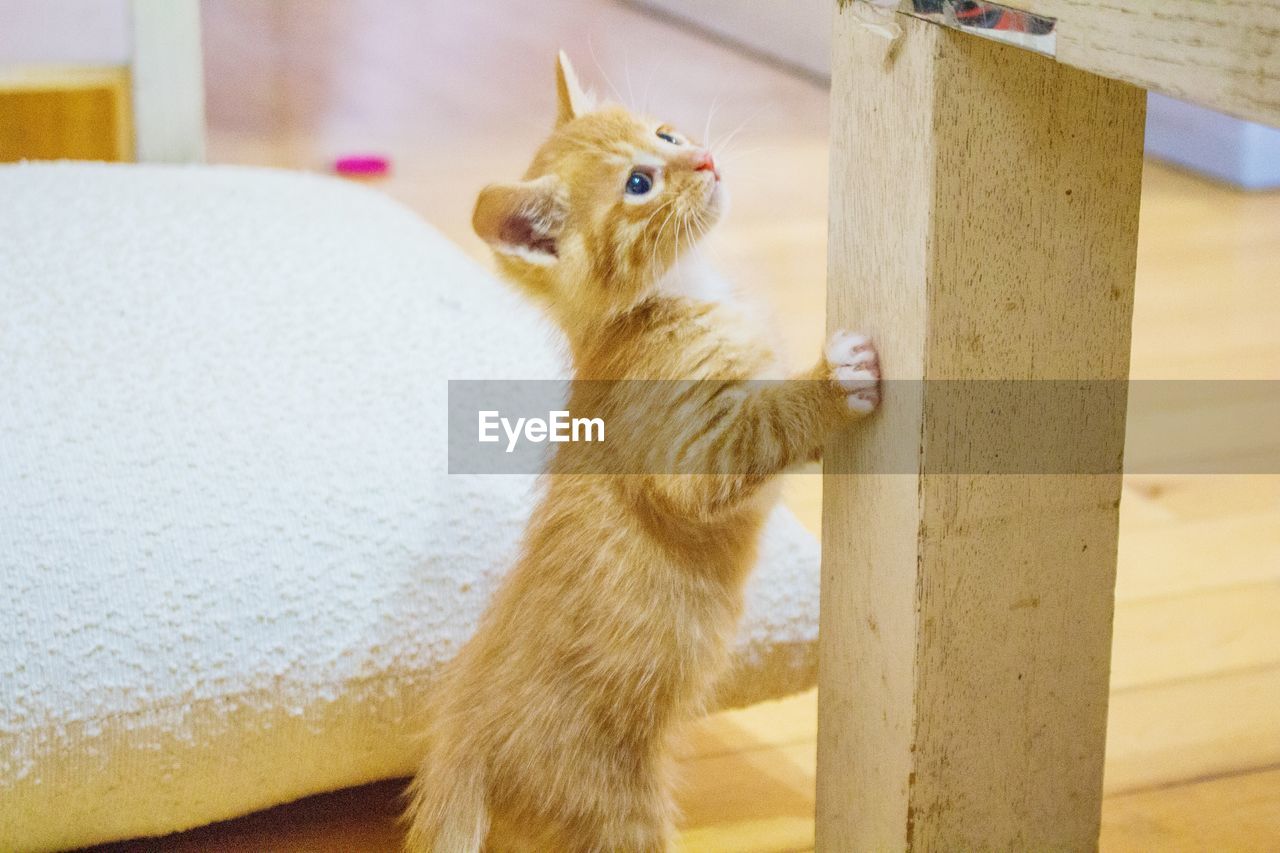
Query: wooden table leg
<point x="984" y="209"/>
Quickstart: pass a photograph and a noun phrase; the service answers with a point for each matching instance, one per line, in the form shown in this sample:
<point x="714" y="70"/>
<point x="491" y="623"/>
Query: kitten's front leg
<point x="845" y="385"/>
<point x="780" y="424"/>
<point x="748" y="432"/>
<point x="851" y="365"/>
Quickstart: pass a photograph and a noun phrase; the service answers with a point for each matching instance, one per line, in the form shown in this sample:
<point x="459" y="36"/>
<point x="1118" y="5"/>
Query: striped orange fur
<point x="552" y="728"/>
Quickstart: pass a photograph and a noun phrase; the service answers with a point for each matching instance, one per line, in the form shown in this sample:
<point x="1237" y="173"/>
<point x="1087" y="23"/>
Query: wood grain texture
<point x="1180" y="730"/>
<point x="979" y="232"/>
<point x="1189" y="537"/>
<point x="1239" y="813"/>
<point x="1181" y="637"/>
<point x="65" y="112"/>
<point x="1222" y="55"/>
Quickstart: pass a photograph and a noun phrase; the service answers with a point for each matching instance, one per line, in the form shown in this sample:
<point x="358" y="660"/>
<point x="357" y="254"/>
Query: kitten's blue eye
<point x="639" y="183"/>
<point x="663" y="135"/>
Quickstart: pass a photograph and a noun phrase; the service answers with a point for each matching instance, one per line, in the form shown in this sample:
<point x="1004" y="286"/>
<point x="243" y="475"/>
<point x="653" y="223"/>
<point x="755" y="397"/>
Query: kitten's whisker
<point x="657" y="237"/>
<point x="679" y="272"/>
<point x="737" y="155"/>
<point x="704" y="224"/>
<point x="664" y="206"/>
<point x="723" y="142"/>
<point x="661" y="208"/>
<point x="631" y="93"/>
<point x="657" y="240"/>
<point x="735" y="147"/>
<point x="691" y="245"/>
<point x="591" y="47"/>
<point x="706" y="131"/>
<point x="648" y="86"/>
<point x="723" y="145"/>
<point x="679" y="255"/>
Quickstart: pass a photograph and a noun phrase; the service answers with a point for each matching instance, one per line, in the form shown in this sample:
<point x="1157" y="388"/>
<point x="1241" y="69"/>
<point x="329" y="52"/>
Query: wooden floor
<point x="459" y="94"/>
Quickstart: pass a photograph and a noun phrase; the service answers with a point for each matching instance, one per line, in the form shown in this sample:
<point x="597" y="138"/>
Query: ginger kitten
<point x="551" y="729"/>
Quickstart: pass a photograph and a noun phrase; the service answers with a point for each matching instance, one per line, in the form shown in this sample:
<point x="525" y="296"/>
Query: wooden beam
<point x="1221" y="55"/>
<point x="984" y="209"/>
<point x="168" y="81"/>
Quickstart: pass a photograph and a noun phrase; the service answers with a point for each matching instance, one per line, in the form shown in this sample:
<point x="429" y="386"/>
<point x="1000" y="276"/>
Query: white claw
<point x="845" y="344"/>
<point x="856" y="378"/>
<point x="855" y="369"/>
<point x="861" y="405"/>
<point x="866" y="355"/>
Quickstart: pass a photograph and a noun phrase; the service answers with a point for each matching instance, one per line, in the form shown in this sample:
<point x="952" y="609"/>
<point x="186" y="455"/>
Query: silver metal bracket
<point x="988" y="20"/>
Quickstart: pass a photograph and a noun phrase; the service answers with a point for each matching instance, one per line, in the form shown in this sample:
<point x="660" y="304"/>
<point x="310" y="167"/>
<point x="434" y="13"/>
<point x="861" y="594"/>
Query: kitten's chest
<point x="740" y="322"/>
<point x="693" y="278"/>
<point x="700" y="628"/>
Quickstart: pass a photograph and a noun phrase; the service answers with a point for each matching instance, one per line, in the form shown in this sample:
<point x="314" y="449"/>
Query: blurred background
<point x="455" y="95"/>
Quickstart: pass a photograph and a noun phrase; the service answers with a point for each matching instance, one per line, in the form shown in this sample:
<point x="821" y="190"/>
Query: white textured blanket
<point x="231" y="554"/>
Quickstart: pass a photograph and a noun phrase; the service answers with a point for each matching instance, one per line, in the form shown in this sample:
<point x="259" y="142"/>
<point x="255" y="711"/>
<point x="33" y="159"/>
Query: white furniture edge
<point x="168" y="81"/>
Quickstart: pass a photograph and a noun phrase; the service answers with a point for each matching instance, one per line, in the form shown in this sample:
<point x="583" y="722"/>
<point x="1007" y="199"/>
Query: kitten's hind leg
<point x="650" y="830"/>
<point x="448" y="811"/>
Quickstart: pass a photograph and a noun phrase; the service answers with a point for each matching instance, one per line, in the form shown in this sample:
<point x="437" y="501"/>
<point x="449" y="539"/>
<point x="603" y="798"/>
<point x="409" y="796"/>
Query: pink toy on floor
<point x="362" y="165"/>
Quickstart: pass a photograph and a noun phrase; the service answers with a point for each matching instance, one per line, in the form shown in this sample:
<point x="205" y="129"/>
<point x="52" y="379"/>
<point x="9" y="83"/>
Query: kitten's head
<point x="608" y="204"/>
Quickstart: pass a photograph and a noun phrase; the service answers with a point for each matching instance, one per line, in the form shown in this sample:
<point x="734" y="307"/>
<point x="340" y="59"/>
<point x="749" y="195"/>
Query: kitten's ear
<point x="571" y="100"/>
<point x="523" y="220"/>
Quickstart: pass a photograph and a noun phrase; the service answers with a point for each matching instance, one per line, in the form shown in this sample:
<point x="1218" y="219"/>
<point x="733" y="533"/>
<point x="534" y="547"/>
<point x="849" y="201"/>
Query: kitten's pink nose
<point x="706" y="163"/>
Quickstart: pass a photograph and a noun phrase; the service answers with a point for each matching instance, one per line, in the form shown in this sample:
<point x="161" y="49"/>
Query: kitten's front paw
<point x="855" y="370"/>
